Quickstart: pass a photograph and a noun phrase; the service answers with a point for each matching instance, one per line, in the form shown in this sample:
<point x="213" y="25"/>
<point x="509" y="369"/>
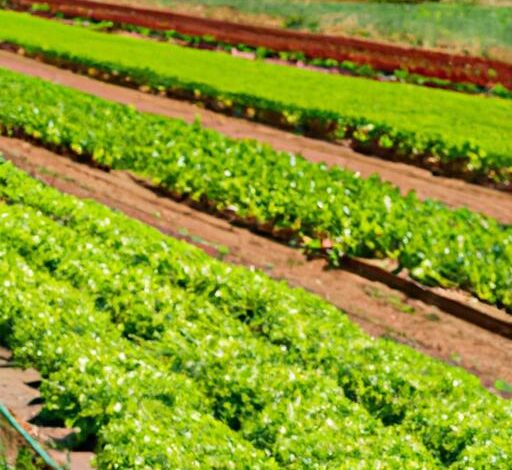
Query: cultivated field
<point x="471" y="138"/>
<point x="475" y="27"/>
<point x="210" y="261"/>
<point x="172" y="357"/>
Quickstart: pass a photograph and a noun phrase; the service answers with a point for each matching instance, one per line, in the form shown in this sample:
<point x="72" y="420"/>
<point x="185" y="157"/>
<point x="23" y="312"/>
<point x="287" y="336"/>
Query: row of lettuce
<point x="172" y="359"/>
<point x="345" y="66"/>
<point x="282" y="193"/>
<point x="455" y="134"/>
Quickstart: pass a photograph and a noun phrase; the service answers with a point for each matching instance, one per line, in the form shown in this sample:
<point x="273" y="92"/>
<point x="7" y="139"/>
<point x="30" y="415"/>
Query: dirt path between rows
<point x="453" y="192"/>
<point x="378" y="309"/>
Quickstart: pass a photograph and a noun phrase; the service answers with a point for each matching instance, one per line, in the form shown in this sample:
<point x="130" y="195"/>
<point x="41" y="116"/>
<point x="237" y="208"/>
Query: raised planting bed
<point x="327" y="210"/>
<point x="381" y="56"/>
<point x="468" y="139"/>
<point x="171" y="359"/>
<point x="296" y="58"/>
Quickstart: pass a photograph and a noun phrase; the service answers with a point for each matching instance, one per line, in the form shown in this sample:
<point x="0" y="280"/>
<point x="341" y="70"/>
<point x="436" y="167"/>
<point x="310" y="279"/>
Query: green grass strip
<point x="471" y="133"/>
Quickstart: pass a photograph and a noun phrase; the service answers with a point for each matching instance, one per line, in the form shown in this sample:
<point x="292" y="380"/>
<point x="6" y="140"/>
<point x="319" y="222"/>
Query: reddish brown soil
<point x="378" y="309"/>
<point x="453" y="192"/>
<point x="381" y="56"/>
<point x="233" y="15"/>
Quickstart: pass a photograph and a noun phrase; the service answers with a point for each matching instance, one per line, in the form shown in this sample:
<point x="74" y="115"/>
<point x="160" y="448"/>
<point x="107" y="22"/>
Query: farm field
<point x="378" y="309"/>
<point x="470" y="139"/>
<point x="58" y="247"/>
<point x="452" y="192"/>
<point x="357" y="217"/>
<point x="334" y="54"/>
<point x="214" y="262"/>
<point x="482" y="28"/>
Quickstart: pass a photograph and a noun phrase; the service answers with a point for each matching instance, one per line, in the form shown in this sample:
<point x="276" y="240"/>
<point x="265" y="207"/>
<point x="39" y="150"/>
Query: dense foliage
<point x="360" y="217"/>
<point x="298" y="58"/>
<point x="468" y="136"/>
<point x="176" y="360"/>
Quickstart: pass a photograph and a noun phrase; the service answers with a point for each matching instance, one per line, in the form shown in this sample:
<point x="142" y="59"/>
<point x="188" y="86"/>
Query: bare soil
<point x="454" y="193"/>
<point x="379" y="310"/>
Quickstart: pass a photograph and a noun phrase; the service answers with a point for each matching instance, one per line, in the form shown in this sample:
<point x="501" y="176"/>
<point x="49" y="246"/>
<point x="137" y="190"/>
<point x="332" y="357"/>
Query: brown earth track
<point x="454" y="193"/>
<point x="386" y="57"/>
<point x="379" y="310"/>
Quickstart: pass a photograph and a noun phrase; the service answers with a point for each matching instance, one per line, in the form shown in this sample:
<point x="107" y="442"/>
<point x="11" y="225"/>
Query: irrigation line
<point x="28" y="439"/>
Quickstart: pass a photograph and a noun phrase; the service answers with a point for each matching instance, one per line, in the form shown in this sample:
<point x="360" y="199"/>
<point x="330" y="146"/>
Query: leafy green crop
<point x="467" y="136"/>
<point x="253" y="182"/>
<point x="345" y="67"/>
<point x="176" y="360"/>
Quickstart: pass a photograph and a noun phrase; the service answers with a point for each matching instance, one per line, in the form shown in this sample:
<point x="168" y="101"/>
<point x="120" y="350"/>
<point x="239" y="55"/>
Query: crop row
<point x="483" y="72"/>
<point x="177" y="360"/>
<point x="255" y="388"/>
<point x="456" y="134"/>
<point x="102" y="383"/>
<point x="277" y="192"/>
<point x="345" y="67"/>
